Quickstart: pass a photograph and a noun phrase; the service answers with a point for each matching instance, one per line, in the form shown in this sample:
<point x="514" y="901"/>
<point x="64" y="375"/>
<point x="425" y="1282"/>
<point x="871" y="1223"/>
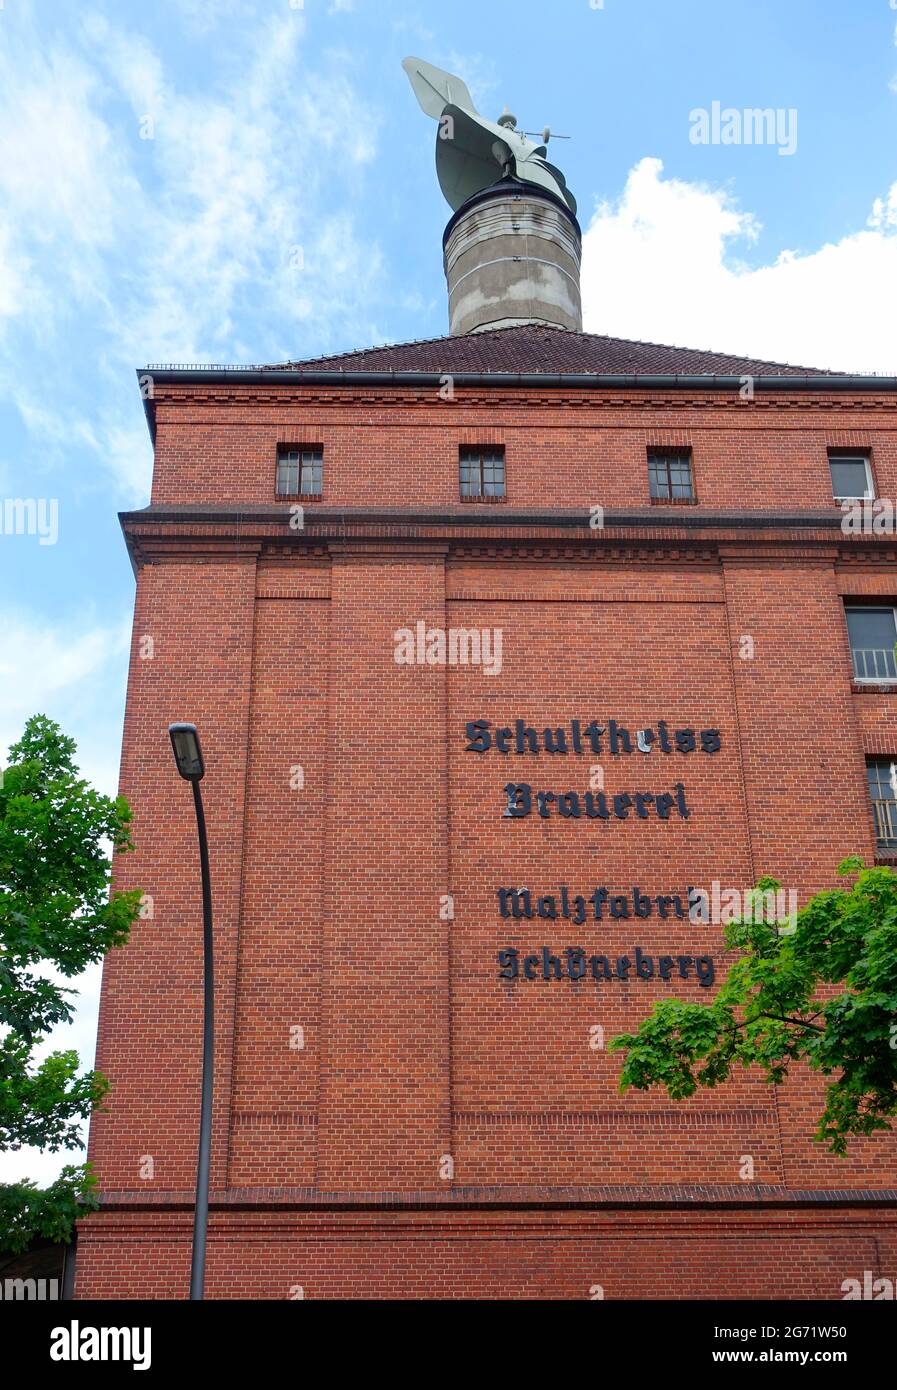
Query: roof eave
<point x="653" y="381"/>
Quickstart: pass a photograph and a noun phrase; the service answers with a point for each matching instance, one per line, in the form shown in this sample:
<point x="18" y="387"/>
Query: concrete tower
<point x="512" y="255"/>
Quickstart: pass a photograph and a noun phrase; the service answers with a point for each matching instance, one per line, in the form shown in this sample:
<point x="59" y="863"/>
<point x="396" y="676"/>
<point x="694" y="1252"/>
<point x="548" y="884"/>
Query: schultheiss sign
<point x="601" y="904"/>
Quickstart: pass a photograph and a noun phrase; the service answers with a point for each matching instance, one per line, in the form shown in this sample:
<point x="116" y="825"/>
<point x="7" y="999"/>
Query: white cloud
<point x="128" y="453"/>
<point x="204" y="17"/>
<point x="68" y="671"/>
<point x="166" y="248"/>
<point x="60" y="167"/>
<point x="659" y="264"/>
<point x="63" y="188"/>
<point x="884" y="210"/>
<point x="13" y="274"/>
<point x="239" y="188"/>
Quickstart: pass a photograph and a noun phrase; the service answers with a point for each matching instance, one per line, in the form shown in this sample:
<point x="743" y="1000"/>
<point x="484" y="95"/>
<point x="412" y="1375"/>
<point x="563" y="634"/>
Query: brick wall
<point x="366" y="1047"/>
<point x="566" y="450"/>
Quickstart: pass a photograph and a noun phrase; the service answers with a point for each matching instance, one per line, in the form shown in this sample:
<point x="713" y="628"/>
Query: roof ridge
<point x="707" y="352"/>
<point x="423" y="342"/>
<point x="544" y="329"/>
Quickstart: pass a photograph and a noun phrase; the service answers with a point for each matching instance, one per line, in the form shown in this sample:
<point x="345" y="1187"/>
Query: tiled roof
<point x="533" y="348"/>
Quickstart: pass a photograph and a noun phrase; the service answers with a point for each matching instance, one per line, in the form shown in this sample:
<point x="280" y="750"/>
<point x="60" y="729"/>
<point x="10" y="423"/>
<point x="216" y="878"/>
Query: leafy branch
<point x="838" y="964"/>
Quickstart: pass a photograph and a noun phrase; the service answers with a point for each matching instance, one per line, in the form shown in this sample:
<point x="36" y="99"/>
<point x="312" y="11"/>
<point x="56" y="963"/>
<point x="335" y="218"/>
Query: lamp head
<point x="187" y="752"/>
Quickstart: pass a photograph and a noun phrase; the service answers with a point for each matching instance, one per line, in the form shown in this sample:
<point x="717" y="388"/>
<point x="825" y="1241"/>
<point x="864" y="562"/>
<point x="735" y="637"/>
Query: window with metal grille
<point x="669" y="475"/>
<point x="300" y="470"/>
<point x="851" y="476"/>
<point x="483" y="472"/>
<point x="882" y="774"/>
<point x="873" y="635"/>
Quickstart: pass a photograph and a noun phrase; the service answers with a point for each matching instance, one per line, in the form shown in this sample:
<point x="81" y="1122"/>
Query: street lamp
<point x="190" y="765"/>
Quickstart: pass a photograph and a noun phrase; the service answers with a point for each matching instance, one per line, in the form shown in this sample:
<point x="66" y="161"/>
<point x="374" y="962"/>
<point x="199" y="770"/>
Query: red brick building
<point x="403" y="1106"/>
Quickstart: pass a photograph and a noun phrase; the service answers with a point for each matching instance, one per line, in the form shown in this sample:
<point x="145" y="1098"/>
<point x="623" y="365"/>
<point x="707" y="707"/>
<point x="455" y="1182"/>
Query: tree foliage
<point x="56" y="917"/>
<point x="822" y="993"/>
<point x="29" y="1213"/>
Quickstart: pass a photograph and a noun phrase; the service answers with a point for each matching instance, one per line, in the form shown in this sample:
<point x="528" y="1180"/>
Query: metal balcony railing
<point x="874" y="664"/>
<point x="886" y="824"/>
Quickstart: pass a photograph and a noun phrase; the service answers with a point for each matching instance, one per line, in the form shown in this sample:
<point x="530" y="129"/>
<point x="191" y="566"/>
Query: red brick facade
<point x="444" y="1132"/>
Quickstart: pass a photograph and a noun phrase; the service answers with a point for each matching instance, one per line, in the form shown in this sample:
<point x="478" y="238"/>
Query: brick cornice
<point x="408" y="387"/>
<point x="635" y="1197"/>
<point x="242" y="519"/>
<point x="644" y="534"/>
<point x="596" y="397"/>
<point x="342" y="552"/>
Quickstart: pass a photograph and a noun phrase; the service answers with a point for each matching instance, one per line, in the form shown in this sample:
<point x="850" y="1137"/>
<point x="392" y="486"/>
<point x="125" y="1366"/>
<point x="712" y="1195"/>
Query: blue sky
<point x="161" y="165"/>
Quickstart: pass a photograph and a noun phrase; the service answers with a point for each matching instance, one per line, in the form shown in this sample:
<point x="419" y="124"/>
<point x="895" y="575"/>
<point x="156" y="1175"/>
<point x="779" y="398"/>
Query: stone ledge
<point x="636" y="1196"/>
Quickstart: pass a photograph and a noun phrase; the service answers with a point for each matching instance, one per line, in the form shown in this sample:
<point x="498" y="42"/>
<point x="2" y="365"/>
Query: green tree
<point x="822" y="992"/>
<point x="56" y="917"/>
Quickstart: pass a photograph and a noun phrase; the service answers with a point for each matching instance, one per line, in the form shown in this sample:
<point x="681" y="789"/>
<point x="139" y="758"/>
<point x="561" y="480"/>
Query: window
<point x="873" y="634"/>
<point x="882" y="773"/>
<point x="669" y="475"/>
<point x="851" y="476"/>
<point x="483" y="472"/>
<point x="300" y="471"/>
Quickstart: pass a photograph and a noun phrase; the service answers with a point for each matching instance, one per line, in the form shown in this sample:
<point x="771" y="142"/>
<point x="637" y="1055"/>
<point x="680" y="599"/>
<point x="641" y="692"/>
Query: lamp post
<point x="190" y="765"/>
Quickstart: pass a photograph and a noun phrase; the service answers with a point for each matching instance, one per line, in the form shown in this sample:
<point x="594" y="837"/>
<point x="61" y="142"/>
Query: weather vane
<point x="473" y="153"/>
